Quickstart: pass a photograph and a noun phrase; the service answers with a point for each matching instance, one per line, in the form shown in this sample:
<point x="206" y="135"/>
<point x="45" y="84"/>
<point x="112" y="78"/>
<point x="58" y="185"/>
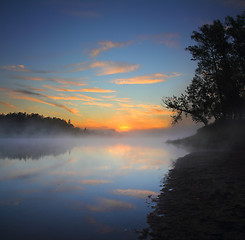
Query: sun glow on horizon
<point x="124" y="128"/>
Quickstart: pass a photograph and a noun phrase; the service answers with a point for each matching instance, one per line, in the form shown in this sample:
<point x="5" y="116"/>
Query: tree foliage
<point x="217" y="89"/>
<point x="23" y="124"/>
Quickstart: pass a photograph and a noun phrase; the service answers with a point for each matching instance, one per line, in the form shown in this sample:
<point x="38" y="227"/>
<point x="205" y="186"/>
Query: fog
<point x="30" y="143"/>
<point x="99" y="183"/>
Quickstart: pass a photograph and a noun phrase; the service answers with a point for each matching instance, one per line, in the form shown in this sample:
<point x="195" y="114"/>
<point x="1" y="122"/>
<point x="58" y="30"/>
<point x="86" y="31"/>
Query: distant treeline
<point x="24" y="124"/>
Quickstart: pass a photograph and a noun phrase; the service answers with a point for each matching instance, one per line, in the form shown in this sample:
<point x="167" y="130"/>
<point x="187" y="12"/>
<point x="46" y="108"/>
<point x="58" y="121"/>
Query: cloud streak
<point x="94" y="90"/>
<point x="67" y="81"/>
<point x="71" y="98"/>
<point x="105" y="204"/>
<point x="97" y="90"/>
<point x="110" y="67"/>
<point x="95" y="181"/>
<point x="135" y="193"/>
<point x="107" y="45"/>
<point x="144" y="109"/>
<point x="33" y="99"/>
<point x="37" y="97"/>
<point x="98" y="104"/>
<point x="168" y="39"/>
<point x="104" y="67"/>
<point x="149" y="79"/>
<point x="22" y="68"/>
<point x="7" y="104"/>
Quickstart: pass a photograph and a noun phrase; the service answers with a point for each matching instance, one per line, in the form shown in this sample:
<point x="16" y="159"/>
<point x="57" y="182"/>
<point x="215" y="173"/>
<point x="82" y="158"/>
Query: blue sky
<point x="103" y="64"/>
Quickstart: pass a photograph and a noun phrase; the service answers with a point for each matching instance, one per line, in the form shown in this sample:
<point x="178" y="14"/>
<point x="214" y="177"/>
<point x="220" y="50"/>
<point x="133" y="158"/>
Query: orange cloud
<point x="95" y="181"/>
<point x="106" y="45"/>
<point x="135" y="193"/>
<point x="105" y="67"/>
<point x="113" y="98"/>
<point x="108" y="68"/>
<point x="151" y="109"/>
<point x="29" y="78"/>
<point x="59" y="80"/>
<point x="97" y="90"/>
<point x="69" y="98"/>
<point x="88" y="98"/>
<point x="140" y="116"/>
<point x="98" y="104"/>
<point x="125" y="100"/>
<point x="150" y="79"/>
<point x="16" y="68"/>
<point x="7" y="104"/>
<point x="32" y="99"/>
<point x="36" y="89"/>
<point x="22" y="68"/>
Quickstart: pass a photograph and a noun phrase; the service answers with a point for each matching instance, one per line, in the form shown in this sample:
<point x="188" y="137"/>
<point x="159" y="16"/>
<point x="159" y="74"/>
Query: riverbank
<point x="203" y="196"/>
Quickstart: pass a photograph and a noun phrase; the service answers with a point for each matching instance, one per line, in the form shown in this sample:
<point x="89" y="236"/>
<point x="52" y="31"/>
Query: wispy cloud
<point x="45" y="99"/>
<point x="135" y="193"/>
<point x="95" y="181"/>
<point x="98" y="104"/>
<point x="88" y="98"/>
<point x="168" y="39"/>
<point x="37" y="97"/>
<point x="150" y="79"/>
<point x="95" y="89"/>
<point x="22" y="68"/>
<point x="36" y="89"/>
<point x="104" y="67"/>
<point x="7" y="104"/>
<point x="71" y="98"/>
<point x="145" y="109"/>
<point x="110" y="67"/>
<point x="67" y="81"/>
<point x="16" y="68"/>
<point x="124" y="100"/>
<point x="105" y="204"/>
<point x="107" y="45"/>
<point x="33" y="99"/>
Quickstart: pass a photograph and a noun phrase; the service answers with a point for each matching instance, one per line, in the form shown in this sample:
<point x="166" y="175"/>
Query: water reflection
<point x="28" y="148"/>
<point x="83" y="189"/>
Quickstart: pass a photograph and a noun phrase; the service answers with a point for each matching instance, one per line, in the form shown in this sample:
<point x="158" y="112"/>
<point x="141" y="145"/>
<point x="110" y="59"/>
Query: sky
<point x="101" y="63"/>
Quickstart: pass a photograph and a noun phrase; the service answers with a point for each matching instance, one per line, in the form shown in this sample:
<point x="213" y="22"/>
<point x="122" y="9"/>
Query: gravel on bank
<point x="203" y="198"/>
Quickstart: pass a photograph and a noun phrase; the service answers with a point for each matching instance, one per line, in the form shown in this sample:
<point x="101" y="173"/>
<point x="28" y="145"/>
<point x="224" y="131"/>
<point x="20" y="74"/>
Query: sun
<point x="124" y="128"/>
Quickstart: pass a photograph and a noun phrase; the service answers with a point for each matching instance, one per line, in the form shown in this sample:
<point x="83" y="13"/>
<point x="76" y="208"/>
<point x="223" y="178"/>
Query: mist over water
<point x="83" y="188"/>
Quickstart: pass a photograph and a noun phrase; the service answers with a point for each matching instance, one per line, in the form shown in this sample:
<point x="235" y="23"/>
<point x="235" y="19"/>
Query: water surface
<point x="79" y="189"/>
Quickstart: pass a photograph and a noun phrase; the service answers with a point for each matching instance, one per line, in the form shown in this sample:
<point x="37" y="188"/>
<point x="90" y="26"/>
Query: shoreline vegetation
<point x="203" y="195"/>
<point x="22" y="124"/>
<point x="34" y="125"/>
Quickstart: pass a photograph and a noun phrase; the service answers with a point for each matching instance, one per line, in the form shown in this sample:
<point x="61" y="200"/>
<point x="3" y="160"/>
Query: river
<point x="89" y="189"/>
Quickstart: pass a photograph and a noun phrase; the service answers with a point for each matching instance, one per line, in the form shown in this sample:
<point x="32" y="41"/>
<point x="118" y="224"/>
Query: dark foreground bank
<point x="203" y="197"/>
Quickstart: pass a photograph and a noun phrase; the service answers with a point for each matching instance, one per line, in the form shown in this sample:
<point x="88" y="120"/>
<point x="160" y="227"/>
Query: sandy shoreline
<point x="203" y="198"/>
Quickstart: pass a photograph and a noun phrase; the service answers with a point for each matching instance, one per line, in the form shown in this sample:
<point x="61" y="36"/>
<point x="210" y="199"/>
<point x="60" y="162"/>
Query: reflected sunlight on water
<point x="88" y="189"/>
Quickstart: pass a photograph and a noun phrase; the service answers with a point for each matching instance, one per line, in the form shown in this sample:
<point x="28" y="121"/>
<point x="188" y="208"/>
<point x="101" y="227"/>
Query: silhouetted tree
<point x="23" y="124"/>
<point x="217" y="90"/>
